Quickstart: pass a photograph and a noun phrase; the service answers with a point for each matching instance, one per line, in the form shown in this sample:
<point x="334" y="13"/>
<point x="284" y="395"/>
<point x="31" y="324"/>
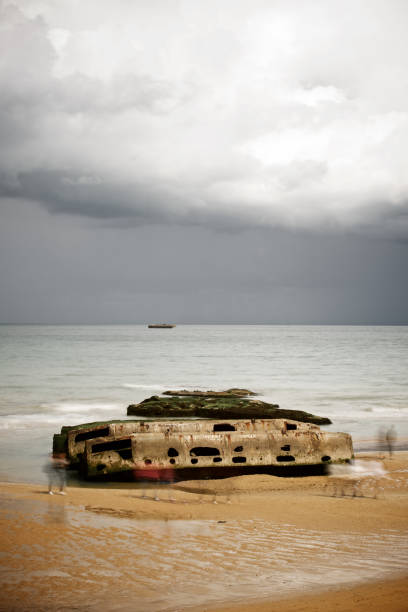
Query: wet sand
<point x="108" y="549"/>
<point x="391" y="596"/>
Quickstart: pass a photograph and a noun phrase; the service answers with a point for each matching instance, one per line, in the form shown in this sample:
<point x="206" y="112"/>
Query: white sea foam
<point x="27" y="421"/>
<point x="83" y="407"/>
<point x="172" y="387"/>
<point x="136" y="386"/>
<point x="62" y="413"/>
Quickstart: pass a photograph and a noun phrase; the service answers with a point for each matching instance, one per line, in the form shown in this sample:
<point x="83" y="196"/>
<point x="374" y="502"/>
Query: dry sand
<point x="108" y="549"/>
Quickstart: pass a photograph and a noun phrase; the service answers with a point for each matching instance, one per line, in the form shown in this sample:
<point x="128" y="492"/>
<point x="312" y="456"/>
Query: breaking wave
<point x="62" y="413"/>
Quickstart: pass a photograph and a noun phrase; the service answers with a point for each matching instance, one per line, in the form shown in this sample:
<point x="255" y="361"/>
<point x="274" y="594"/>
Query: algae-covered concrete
<point x="228" y="393"/>
<point x="222" y="407"/>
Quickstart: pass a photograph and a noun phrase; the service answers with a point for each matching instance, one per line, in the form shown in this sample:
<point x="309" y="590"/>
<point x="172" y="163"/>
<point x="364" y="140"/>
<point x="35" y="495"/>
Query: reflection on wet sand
<point x="90" y="550"/>
<point x="56" y="513"/>
<point x="168" y="561"/>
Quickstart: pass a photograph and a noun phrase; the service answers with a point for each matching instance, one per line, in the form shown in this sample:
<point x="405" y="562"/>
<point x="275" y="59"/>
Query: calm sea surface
<point x="62" y="375"/>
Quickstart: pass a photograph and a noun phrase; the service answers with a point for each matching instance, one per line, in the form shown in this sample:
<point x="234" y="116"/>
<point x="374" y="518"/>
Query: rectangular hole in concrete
<point x="94" y="433"/>
<point x="223" y="427"/>
<point x="112" y="445"/>
<point x="204" y="451"/>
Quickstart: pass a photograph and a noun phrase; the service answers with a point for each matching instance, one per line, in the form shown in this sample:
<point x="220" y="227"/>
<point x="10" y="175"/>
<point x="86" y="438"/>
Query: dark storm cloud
<point x="66" y="193"/>
<point x="132" y="204"/>
<point x="64" y="270"/>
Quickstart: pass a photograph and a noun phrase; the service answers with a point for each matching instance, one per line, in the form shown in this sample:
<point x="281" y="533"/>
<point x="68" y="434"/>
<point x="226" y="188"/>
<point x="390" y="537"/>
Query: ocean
<point x="63" y="375"/>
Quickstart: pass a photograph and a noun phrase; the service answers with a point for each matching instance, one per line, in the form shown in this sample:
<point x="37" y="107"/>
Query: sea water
<point x="63" y="375"/>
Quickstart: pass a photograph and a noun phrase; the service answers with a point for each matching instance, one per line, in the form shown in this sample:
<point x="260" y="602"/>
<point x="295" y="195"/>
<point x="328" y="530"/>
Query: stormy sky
<point x="205" y="161"/>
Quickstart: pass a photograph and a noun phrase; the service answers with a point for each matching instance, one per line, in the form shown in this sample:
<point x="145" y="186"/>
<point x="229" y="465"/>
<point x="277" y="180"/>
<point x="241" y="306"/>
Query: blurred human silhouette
<point x="56" y="471"/>
<point x="56" y="513"/>
<point x="391" y="438"/>
<point x="167" y="478"/>
<point x="225" y="490"/>
<point x="156" y="475"/>
<point x="382" y="441"/>
<point x="356" y="476"/>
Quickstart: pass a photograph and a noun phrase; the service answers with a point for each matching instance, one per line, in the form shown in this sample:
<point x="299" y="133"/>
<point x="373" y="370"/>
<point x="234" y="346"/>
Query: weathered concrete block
<point x="249" y="443"/>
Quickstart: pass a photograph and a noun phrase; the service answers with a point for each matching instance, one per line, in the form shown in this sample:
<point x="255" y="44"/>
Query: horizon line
<point x="100" y="324"/>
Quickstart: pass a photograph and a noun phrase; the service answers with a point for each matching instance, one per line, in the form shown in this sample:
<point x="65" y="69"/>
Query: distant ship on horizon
<point x="161" y="326"/>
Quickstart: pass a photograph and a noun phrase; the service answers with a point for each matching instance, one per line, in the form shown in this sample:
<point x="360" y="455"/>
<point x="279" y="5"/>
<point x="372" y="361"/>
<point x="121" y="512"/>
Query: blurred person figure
<point x="166" y="476"/>
<point x="391" y="438"/>
<point x="146" y="475"/>
<point x="226" y="491"/>
<point x="356" y="476"/>
<point x="56" y="471"/>
<point x="56" y="513"/>
<point x="158" y="476"/>
<point x="382" y="441"/>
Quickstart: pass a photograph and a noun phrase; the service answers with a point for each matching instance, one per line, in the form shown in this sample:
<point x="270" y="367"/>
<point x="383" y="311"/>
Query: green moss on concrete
<point x="59" y="443"/>
<point x="66" y="428"/>
<point x="228" y="393"/>
<point x="218" y="408"/>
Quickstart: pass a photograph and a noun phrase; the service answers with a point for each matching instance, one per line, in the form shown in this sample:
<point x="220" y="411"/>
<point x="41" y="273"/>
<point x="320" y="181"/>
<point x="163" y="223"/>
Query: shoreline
<point x="99" y="531"/>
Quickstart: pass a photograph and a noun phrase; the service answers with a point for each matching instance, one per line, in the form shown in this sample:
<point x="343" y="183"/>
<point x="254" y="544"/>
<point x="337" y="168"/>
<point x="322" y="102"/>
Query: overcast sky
<point x="231" y="161"/>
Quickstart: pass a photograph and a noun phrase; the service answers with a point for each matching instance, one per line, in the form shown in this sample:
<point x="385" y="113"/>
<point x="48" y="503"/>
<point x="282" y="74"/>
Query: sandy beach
<point x="265" y="539"/>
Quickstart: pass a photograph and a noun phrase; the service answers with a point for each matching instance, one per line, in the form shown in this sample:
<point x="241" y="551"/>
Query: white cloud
<point x="58" y="38"/>
<point x="295" y="112"/>
<point x="319" y="95"/>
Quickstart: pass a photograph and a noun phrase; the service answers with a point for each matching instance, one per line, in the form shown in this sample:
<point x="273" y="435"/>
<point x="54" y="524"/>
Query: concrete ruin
<point x="202" y="430"/>
<point x="110" y="448"/>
